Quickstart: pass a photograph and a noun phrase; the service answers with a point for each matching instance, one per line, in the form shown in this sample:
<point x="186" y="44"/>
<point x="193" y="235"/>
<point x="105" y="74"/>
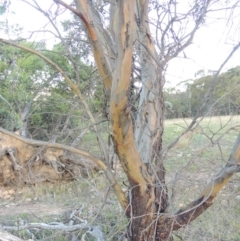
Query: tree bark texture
<point x="138" y="142"/>
<point x="138" y="148"/>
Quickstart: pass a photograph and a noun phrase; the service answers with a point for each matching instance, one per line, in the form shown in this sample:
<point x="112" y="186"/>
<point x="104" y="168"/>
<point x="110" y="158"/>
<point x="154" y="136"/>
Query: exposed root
<point x="23" y="163"/>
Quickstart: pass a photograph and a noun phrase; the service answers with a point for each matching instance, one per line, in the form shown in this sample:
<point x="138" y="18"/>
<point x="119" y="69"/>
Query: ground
<point x="12" y="204"/>
<point x="190" y="165"/>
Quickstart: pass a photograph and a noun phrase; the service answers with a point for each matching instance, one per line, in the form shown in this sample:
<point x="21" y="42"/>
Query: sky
<point x="210" y="47"/>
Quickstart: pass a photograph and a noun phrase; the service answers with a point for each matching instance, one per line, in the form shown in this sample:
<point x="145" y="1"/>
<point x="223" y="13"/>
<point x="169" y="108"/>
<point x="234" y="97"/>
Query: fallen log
<point x="27" y="161"/>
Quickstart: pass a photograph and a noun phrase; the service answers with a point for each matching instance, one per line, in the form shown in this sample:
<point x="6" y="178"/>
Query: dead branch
<point x="36" y="143"/>
<point x="48" y="146"/>
<point x="80" y="224"/>
<point x="50" y="226"/>
<point x="74" y="87"/>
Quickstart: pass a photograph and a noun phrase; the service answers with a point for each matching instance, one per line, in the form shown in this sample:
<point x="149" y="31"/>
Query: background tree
<point x="224" y="99"/>
<point x="20" y="77"/>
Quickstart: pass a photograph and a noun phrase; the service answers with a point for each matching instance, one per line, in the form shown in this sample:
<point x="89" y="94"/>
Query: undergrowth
<point x="189" y="166"/>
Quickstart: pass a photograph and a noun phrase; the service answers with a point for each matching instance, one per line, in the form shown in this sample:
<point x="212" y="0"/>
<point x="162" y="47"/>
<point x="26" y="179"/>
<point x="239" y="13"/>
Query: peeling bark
<point x="138" y="147"/>
<point x="98" y="37"/>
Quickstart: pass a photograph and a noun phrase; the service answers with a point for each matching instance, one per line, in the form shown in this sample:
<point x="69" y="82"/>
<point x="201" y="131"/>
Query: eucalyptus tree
<point x="132" y="43"/>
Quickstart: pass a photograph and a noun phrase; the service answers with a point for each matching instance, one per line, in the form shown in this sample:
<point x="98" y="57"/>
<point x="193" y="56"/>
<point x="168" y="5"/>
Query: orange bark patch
<point x="237" y="154"/>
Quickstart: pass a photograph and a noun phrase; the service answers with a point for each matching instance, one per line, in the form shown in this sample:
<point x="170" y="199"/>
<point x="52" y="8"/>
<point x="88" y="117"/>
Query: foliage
<point x="224" y="100"/>
<point x="27" y="79"/>
<point x="21" y="79"/>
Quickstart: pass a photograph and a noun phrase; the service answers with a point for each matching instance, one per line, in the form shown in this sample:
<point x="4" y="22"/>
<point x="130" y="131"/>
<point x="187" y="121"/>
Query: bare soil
<point x="36" y="208"/>
<point x="14" y="203"/>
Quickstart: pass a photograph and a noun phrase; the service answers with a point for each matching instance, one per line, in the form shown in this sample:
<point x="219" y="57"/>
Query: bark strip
<point x="85" y="12"/>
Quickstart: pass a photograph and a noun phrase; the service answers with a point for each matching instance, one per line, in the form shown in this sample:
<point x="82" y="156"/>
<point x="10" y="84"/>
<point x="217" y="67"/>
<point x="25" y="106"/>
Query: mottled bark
<point x="139" y="147"/>
<point x="101" y="42"/>
<point x="149" y="124"/>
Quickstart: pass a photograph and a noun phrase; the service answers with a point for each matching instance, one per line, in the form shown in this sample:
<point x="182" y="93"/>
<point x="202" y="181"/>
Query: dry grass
<point x="189" y="167"/>
<point x="192" y="165"/>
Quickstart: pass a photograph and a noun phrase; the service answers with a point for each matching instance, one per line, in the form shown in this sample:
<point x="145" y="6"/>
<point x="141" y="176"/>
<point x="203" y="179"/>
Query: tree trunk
<point x="148" y="136"/>
<point x="138" y="153"/>
<point x="24" y="118"/>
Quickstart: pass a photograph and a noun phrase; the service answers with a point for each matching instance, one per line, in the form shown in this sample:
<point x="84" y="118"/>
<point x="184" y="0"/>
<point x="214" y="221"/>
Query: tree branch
<point x="204" y="102"/>
<point x="50" y="226"/>
<point x="74" y="87"/>
<point x="100" y="140"/>
<point x="116" y="187"/>
<point x="187" y="214"/>
<point x="104" y="68"/>
<point x="57" y="146"/>
<point x="119" y="110"/>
